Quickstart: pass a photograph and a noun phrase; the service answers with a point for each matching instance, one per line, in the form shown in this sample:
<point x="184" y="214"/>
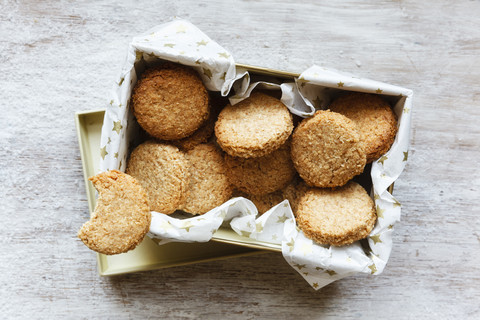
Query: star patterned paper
<point x="181" y="42"/>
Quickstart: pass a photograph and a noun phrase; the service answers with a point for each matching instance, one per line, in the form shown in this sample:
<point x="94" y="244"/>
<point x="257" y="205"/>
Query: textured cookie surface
<point x="258" y="176"/>
<point x="200" y="136"/>
<point x="336" y="216"/>
<point x="375" y="120"/>
<point x="121" y="217"/>
<point x="170" y="102"/>
<point x="294" y="192"/>
<point x="327" y="150"/>
<point x="265" y="202"/>
<point x="162" y="170"/>
<point x="254" y="127"/>
<point x="209" y="186"/>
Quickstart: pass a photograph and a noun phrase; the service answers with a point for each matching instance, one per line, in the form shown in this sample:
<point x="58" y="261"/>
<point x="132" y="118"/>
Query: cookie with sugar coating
<point x="254" y="127"/>
<point x="374" y="118"/>
<point x="162" y="170"/>
<point x="327" y="150"/>
<point x="337" y="216"/>
<point x="121" y="217"/>
<point x="170" y="101"/>
<point x="209" y="185"/>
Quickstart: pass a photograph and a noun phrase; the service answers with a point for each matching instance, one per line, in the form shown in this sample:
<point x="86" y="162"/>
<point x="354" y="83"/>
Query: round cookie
<point x="254" y="127"/>
<point x="293" y="193"/>
<point x="336" y="216"/>
<point x="170" y="102"/>
<point x="327" y="150"/>
<point x="375" y="120"/>
<point x="259" y="176"/>
<point x="264" y="202"/>
<point x="162" y="170"/>
<point x="209" y="186"/>
<point x="200" y="136"/>
<point x="121" y="217"/>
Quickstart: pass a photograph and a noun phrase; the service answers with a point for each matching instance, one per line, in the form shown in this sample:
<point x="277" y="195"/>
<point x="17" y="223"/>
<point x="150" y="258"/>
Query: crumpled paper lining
<point x="181" y="42"/>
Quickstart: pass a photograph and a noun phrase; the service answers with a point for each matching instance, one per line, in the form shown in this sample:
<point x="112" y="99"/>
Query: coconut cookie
<point x="121" y="217"/>
<point x="259" y="176"/>
<point x="162" y="170"/>
<point x="209" y="186"/>
<point x="336" y="216"/>
<point x="254" y="127"/>
<point x="327" y="150"/>
<point x="375" y="120"/>
<point x="170" y="102"/>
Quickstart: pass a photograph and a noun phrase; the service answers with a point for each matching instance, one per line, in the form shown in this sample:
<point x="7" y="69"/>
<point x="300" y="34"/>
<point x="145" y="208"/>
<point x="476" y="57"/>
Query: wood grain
<point x="58" y="57"/>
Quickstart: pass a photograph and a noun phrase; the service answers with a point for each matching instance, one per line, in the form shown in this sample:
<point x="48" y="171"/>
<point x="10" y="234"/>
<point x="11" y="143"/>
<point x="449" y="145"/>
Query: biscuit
<point x="209" y="186"/>
<point x="121" y="217"/>
<point x="254" y="127"/>
<point x="294" y="192"/>
<point x="264" y="202"/>
<point x="327" y="150"/>
<point x="336" y="216"/>
<point x="200" y="136"/>
<point x="170" y="101"/>
<point x="162" y="170"/>
<point x="259" y="176"/>
<point x="375" y="120"/>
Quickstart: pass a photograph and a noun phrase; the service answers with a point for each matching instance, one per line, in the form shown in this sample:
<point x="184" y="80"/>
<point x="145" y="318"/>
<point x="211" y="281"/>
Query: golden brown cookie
<point x="121" y="217"/>
<point x="254" y="127"/>
<point x="327" y="150"/>
<point x="264" y="202"/>
<point x="336" y="216"/>
<point x="375" y="120"/>
<point x="200" y="136"/>
<point x="294" y="192"/>
<point x="259" y="176"/>
<point x="162" y="170"/>
<point x="170" y="101"/>
<point x="209" y="186"/>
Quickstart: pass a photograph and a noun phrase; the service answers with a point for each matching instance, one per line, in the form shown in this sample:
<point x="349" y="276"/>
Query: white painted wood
<point x="58" y="57"/>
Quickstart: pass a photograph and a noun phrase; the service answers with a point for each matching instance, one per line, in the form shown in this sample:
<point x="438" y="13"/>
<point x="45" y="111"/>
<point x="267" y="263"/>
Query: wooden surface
<point x="58" y="57"/>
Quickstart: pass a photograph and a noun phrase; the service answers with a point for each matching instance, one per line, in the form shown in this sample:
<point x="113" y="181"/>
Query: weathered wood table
<point x="58" y="57"/>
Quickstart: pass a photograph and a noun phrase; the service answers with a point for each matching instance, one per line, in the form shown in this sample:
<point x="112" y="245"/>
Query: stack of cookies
<point x="202" y="151"/>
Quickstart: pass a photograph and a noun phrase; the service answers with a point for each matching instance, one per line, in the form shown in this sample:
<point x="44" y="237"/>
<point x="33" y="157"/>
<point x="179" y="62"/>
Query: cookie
<point x="259" y="176"/>
<point x="170" y="101"/>
<point x="200" y="136"/>
<point x="162" y="170"/>
<point x="336" y="216"/>
<point x="121" y="217"/>
<point x="294" y="192"/>
<point x="254" y="127"/>
<point x="375" y="120"/>
<point x="327" y="150"/>
<point x="209" y="186"/>
<point x="264" y="202"/>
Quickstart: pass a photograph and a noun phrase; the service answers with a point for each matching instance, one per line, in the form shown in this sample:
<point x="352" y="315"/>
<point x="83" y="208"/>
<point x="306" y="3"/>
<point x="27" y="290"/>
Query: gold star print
<point x="376" y="239"/>
<point x="290" y="244"/>
<point x="208" y="73"/>
<point x="121" y="81"/>
<point x="197" y="61"/>
<point x="246" y="234"/>
<point x="282" y="219"/>
<point x="379" y="91"/>
<point x="331" y="273"/>
<point x="318" y="102"/>
<point x="390" y="227"/>
<point x="406" y="110"/>
<point x="170" y="45"/>
<point x="120" y="105"/>
<point x="300" y="266"/>
<point x="380" y="212"/>
<point x="103" y="152"/>
<point x="224" y="55"/>
<point x="306" y="248"/>
<point x="181" y="29"/>
<point x="274" y="237"/>
<point x="166" y="225"/>
<point x="202" y="43"/>
<point x="382" y="159"/>
<point x="138" y="55"/>
<point x="109" y="140"/>
<point x="223" y="76"/>
<point x="372" y="268"/>
<point x="258" y="227"/>
<point x="315" y="285"/>
<point x="115" y="155"/>
<point x="405" y="156"/>
<point x="117" y="126"/>
<point x="305" y="273"/>
<point x="318" y="268"/>
<point x="376" y="196"/>
<point x="187" y="226"/>
<point x="111" y="102"/>
<point x="396" y="204"/>
<point x="120" y="165"/>
<point x="340" y="84"/>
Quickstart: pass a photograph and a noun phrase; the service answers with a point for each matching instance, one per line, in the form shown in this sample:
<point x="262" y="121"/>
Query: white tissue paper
<point x="181" y="42"/>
